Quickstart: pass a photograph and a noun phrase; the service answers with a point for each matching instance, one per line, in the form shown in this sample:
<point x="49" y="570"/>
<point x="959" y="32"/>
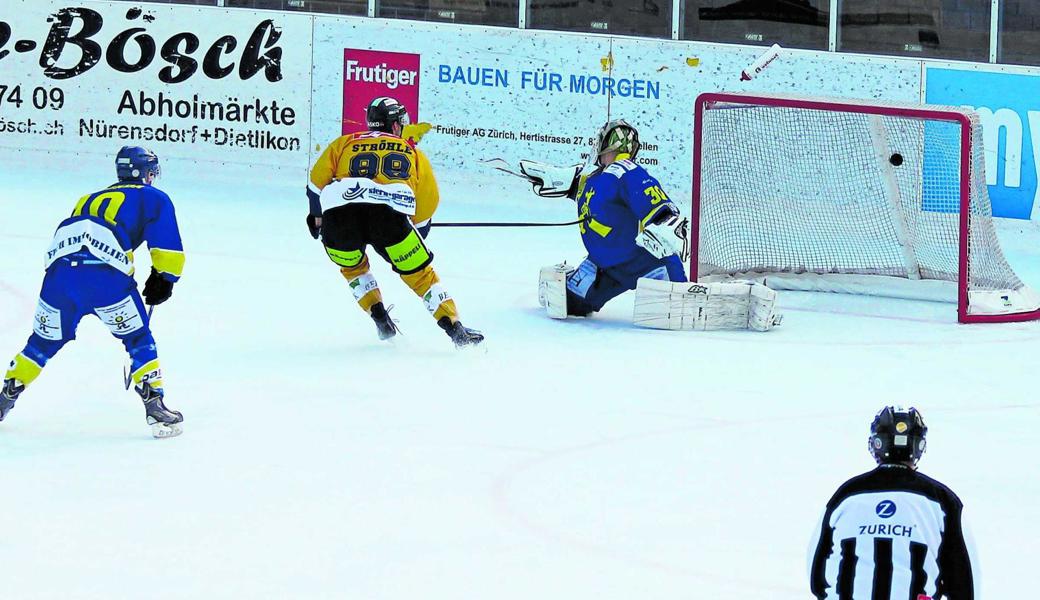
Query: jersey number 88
<point x="369" y="165"/>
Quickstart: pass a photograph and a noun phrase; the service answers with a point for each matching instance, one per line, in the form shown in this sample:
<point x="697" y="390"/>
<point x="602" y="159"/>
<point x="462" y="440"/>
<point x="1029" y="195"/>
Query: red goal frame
<point x="705" y="100"/>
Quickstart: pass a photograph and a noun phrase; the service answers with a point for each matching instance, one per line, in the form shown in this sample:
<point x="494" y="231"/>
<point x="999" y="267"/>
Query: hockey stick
<point x="506" y="224"/>
<point x="128" y="371"/>
<point x="505" y="169"/>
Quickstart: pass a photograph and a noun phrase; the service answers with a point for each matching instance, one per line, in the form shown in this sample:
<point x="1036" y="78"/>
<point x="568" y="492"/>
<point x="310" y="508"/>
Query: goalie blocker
<point x="705" y="306"/>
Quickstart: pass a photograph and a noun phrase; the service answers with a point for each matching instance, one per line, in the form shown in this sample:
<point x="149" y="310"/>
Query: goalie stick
<point x="500" y="164"/>
<point x="505" y="169"/>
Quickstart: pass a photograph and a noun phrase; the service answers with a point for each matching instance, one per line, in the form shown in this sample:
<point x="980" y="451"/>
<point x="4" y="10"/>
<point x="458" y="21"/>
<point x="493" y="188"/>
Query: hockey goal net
<point x="850" y="196"/>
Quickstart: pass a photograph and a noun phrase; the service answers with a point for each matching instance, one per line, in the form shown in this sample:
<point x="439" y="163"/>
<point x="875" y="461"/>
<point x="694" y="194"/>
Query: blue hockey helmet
<point x="133" y="163"/>
<point x="897" y="435"/>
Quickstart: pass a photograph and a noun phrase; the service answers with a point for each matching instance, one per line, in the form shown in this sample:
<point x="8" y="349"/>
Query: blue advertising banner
<point x="1009" y="106"/>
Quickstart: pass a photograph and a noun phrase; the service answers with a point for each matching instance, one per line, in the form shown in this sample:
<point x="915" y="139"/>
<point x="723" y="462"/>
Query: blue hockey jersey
<point x="613" y="206"/>
<point x="110" y="224"/>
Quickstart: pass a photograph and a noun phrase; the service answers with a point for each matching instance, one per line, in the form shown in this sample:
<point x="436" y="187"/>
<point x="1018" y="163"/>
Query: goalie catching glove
<point x="550" y="181"/>
<point x="705" y="306"/>
<point x="666" y="235"/>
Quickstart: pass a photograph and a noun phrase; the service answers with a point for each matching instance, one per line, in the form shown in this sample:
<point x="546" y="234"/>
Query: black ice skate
<point x="385" y="326"/>
<point x="165" y="423"/>
<point x="462" y="336"/>
<point x="8" y="394"/>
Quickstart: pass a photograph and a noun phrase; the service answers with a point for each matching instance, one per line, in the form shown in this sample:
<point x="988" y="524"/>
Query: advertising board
<point x="1009" y="107"/>
<point x="198" y="83"/>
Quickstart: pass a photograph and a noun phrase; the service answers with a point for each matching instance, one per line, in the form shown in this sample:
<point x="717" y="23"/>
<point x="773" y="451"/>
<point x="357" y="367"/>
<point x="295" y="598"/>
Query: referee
<point x="893" y="533"/>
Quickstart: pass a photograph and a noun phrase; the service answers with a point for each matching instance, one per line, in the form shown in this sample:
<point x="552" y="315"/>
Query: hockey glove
<point x="314" y="225"/>
<point x="666" y="235"/>
<point x="549" y="181"/>
<point x="157" y="289"/>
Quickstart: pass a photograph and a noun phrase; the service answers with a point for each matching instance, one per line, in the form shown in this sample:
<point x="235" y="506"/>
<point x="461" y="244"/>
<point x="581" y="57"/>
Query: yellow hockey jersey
<point x="382" y="157"/>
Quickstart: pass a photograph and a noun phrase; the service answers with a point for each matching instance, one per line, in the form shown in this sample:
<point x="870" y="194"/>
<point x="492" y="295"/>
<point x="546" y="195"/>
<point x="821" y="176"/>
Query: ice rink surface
<point x="584" y="459"/>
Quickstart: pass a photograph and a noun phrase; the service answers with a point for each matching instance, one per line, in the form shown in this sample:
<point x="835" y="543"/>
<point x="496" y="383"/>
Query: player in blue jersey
<point x="89" y="270"/>
<point x="630" y="227"/>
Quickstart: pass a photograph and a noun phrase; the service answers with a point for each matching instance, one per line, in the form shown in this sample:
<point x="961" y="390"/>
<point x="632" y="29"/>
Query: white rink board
<point x="459" y="107"/>
<point x="718" y="68"/>
<point x="191" y="83"/>
<point x="676" y="71"/>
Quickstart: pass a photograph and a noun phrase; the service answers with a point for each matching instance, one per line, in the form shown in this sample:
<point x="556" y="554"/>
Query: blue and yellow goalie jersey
<point x="110" y="224"/>
<point x="613" y="207"/>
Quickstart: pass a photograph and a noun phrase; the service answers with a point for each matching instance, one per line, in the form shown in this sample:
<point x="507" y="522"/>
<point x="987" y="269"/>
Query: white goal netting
<point x="809" y="191"/>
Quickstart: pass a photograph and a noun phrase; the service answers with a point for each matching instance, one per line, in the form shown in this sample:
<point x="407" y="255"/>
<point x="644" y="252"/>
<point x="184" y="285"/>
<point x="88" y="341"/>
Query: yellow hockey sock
<point x="427" y="286"/>
<point x="363" y="284"/>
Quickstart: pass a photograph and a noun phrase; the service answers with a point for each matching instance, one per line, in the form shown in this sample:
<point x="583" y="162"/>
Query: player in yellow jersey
<point x="374" y="188"/>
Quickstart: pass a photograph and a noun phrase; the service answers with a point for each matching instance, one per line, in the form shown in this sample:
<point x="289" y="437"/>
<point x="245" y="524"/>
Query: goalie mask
<point x="897" y="435"/>
<point x="383" y="112"/>
<point x="617" y="136"/>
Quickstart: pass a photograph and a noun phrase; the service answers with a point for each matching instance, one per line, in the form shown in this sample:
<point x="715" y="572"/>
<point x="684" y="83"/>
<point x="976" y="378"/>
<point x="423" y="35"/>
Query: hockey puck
<point x="896" y="159"/>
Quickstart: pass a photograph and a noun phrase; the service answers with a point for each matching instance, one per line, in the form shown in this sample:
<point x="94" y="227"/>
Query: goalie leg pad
<point x="762" y="313"/>
<point x="552" y="289"/>
<point x="704" y="307"/>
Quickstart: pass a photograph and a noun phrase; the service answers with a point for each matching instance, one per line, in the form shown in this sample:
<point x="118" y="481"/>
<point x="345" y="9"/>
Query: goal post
<point x="850" y="196"/>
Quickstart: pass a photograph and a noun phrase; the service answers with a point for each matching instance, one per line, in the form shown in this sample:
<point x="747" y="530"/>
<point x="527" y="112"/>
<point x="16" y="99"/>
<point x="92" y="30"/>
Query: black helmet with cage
<point x="897" y="435"/>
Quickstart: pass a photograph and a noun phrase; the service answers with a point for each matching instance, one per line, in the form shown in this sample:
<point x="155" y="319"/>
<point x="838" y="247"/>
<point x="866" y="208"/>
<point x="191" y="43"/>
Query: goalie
<point x="628" y="224"/>
<point x="636" y="239"/>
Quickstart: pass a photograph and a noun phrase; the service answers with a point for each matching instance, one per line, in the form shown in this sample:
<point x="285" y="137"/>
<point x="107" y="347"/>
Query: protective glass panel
<point x="338" y="7"/>
<point x="790" y="23"/>
<point x="650" y="18"/>
<point x="1020" y="32"/>
<point x="957" y="29"/>
<point x="503" y="13"/>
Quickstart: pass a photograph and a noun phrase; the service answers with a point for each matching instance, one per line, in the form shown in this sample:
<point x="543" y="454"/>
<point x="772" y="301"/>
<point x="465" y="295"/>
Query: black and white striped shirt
<point x="893" y="534"/>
